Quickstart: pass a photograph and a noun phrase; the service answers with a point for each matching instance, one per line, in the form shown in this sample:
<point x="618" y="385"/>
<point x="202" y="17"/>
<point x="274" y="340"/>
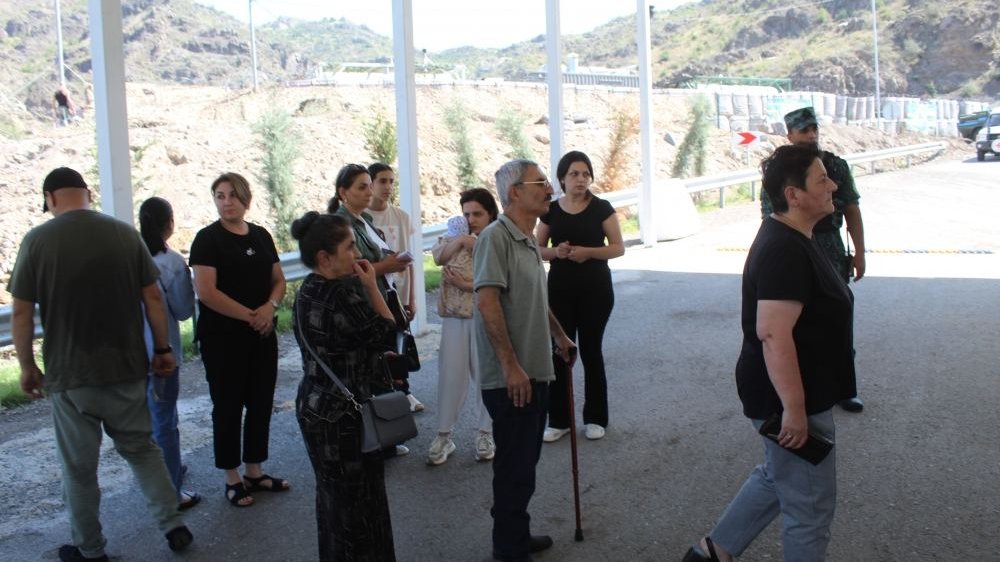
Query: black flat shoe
<point x="179" y="538"/>
<point x="853" y="405"/>
<point x="70" y="553"/>
<point x="694" y="556"/>
<point x="538" y="543"/>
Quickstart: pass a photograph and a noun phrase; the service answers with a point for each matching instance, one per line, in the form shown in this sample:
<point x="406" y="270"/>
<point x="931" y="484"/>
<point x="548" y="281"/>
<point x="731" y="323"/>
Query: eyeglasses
<point x="537" y="182"/>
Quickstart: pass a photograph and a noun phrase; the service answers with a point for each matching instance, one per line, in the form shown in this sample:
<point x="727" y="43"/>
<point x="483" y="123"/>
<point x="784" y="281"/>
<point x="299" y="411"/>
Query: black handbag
<point x="406" y="344"/>
<point x="386" y="419"/>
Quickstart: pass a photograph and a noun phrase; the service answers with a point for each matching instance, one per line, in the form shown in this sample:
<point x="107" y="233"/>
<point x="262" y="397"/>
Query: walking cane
<point x="572" y="439"/>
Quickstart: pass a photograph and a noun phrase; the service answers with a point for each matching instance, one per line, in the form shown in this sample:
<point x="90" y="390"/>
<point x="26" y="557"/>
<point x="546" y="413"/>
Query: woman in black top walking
<point x="580" y="291"/>
<point x="239" y="283"/>
<point x="796" y="364"/>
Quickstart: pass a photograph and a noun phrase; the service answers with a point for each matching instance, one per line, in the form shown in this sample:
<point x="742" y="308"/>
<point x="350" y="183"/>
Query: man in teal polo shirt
<point x="514" y="334"/>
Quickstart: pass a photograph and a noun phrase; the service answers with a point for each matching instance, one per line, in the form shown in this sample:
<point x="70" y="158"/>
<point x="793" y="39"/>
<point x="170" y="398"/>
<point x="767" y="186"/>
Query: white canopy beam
<point x="553" y="76"/>
<point x="408" y="174"/>
<point x="108" y="59"/>
<point x="647" y="226"/>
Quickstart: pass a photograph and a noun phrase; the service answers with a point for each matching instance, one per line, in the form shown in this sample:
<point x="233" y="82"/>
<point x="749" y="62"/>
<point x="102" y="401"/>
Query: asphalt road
<point x="919" y="470"/>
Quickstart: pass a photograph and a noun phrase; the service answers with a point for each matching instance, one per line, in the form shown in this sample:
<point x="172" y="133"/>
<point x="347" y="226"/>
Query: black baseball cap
<point x="60" y="178"/>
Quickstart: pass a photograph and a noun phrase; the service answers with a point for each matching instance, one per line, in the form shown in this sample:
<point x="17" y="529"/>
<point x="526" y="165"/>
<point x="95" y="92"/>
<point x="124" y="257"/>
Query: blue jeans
<point x="518" y="434"/>
<point x="161" y="394"/>
<point x="804" y="494"/>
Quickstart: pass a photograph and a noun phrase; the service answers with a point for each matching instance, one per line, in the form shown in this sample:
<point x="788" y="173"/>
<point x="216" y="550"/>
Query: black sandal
<point x="256" y="484"/>
<point x="239" y="491"/>
<point x="694" y="556"/>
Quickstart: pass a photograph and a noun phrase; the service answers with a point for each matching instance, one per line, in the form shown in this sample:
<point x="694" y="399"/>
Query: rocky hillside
<point x="182" y="137"/>
<point x="927" y="47"/>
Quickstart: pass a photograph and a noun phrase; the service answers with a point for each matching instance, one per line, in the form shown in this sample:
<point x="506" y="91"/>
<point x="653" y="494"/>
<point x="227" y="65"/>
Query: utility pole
<point x="60" y="70"/>
<point x="253" y="46"/>
<point x="878" y="93"/>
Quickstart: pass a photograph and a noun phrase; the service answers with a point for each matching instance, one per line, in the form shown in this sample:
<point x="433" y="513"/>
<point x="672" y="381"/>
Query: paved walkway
<point x="919" y="470"/>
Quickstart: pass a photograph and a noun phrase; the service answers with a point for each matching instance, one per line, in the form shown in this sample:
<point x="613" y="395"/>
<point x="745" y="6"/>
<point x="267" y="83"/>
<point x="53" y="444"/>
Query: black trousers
<point x="518" y="435"/>
<point x="583" y="309"/>
<point x="241" y="370"/>
<point x="352" y="510"/>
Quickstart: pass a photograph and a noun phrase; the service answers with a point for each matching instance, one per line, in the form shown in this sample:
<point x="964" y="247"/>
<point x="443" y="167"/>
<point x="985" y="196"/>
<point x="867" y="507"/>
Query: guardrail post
<point x="908" y="158"/>
<point x="753" y="191"/>
<point x="722" y="197"/>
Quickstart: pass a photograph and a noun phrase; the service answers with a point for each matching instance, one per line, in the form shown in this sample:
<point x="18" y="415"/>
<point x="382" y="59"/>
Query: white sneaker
<point x="441" y="447"/>
<point x="486" y="449"/>
<point x="593" y="431"/>
<point x="552" y="434"/>
<point x="415" y="405"/>
<point x="402" y="450"/>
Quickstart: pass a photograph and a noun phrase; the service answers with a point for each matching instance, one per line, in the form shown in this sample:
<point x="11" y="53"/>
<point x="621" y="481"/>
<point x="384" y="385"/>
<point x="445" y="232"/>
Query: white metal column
<point x="113" y="157"/>
<point x="553" y="76"/>
<point x="647" y="226"/>
<point x="408" y="174"/>
<point x="60" y="61"/>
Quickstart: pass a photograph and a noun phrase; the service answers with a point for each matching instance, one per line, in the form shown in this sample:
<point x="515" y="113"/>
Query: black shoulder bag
<point x="386" y="418"/>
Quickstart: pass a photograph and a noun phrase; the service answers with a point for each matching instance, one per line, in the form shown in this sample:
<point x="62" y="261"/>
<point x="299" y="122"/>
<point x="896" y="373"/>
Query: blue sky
<point x="442" y="24"/>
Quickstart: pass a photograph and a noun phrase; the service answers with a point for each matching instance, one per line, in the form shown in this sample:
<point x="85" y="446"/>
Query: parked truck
<point x="970" y="124"/>
<point x="988" y="138"/>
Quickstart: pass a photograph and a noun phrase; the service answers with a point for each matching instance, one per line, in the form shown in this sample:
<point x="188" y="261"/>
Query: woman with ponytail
<point x="156" y="224"/>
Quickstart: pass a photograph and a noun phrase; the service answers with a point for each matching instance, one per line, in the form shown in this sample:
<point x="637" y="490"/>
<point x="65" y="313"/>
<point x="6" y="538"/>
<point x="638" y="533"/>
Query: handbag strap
<point x="329" y="372"/>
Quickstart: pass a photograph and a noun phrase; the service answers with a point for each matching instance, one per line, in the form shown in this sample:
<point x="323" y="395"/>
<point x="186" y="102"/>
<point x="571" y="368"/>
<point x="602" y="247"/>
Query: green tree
<point x="457" y="122"/>
<point x="280" y="142"/>
<point x="380" y="139"/>
<point x="692" y="149"/>
<point x="510" y="126"/>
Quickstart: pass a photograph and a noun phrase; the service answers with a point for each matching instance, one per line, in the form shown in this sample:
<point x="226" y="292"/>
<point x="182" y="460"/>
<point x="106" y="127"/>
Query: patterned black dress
<point x="352" y="511"/>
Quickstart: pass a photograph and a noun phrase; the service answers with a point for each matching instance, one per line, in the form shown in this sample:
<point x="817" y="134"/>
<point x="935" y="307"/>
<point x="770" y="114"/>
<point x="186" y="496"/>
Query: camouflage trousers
<point x="832" y="244"/>
<point x="352" y="510"/>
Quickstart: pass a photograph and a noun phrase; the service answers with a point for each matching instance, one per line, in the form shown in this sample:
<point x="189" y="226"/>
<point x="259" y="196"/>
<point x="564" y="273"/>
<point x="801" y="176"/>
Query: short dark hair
<point x="316" y="232"/>
<point x="377" y="168"/>
<point x="345" y="177"/>
<point x="788" y="165"/>
<point x="482" y="196"/>
<point x="568" y="160"/>
<point x="155" y="215"/>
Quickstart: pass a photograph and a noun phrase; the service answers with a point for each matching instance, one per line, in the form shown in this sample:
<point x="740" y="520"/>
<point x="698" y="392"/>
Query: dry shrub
<point x="615" y="174"/>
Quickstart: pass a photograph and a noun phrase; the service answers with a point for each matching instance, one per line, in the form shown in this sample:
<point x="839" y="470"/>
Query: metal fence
<point x="295" y="270"/>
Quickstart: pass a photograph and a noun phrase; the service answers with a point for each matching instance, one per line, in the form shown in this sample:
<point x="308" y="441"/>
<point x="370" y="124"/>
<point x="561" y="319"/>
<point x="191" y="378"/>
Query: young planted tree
<point x="380" y="139"/>
<point x="280" y="142"/>
<point x="457" y="122"/>
<point x="510" y="126"/>
<point x="692" y="148"/>
<point x="624" y="129"/>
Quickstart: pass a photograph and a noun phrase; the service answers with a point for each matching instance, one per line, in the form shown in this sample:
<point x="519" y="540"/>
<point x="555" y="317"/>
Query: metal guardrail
<point x="294" y="270"/>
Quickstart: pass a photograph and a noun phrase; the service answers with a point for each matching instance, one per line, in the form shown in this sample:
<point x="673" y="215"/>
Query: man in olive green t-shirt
<point x="91" y="275"/>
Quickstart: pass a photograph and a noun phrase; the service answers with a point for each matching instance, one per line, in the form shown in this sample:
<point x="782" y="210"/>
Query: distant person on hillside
<point x="803" y="129"/>
<point x="156" y="225"/>
<point x="62" y="107"/>
<point x="95" y="283"/>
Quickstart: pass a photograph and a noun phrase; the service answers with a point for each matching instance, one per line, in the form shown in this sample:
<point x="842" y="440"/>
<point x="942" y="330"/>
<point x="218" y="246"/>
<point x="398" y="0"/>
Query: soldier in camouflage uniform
<point x="803" y="129"/>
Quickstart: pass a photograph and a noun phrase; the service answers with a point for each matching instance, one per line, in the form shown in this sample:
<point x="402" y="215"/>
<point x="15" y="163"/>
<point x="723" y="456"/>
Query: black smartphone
<point x="816" y="448"/>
